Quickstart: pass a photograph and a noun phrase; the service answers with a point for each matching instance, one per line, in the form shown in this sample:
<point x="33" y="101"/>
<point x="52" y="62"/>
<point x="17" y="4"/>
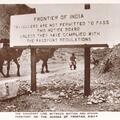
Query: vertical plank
<point x="87" y="71"/>
<point x="33" y="69"/>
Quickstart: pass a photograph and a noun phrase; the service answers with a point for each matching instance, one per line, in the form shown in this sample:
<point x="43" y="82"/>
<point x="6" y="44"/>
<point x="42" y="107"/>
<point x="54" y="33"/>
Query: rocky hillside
<point x="63" y="54"/>
<point x="109" y="61"/>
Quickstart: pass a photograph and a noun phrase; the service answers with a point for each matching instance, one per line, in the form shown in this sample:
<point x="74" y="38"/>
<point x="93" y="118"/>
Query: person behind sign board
<point x="73" y="61"/>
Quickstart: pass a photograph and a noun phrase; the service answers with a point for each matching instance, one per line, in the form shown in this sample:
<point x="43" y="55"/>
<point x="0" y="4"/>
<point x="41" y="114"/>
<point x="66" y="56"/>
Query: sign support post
<point x="33" y="69"/>
<point x="87" y="71"/>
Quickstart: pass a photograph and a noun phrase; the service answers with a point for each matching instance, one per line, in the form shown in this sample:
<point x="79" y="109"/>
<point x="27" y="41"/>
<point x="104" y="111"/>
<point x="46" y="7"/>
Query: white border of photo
<point x="101" y="115"/>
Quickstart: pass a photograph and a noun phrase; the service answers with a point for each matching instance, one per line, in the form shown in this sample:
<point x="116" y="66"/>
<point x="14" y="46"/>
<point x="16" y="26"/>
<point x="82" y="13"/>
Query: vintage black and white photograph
<point x="59" y="57"/>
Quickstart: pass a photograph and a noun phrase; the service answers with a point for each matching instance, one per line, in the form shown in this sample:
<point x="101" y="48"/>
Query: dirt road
<point x="59" y="90"/>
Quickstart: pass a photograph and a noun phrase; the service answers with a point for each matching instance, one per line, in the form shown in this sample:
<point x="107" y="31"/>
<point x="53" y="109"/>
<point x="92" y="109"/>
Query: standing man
<point x="73" y="61"/>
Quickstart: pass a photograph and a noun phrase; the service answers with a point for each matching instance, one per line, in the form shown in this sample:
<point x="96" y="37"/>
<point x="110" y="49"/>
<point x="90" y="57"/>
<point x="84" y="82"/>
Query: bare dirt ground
<point x="61" y="90"/>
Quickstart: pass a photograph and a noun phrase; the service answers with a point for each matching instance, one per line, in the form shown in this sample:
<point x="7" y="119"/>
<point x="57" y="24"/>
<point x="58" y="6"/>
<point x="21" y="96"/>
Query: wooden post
<point x="87" y="71"/>
<point x="87" y="6"/>
<point x="33" y="69"/>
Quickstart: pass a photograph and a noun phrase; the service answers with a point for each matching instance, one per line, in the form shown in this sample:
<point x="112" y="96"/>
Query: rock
<point x="118" y="95"/>
<point x="97" y="96"/>
<point x="69" y="91"/>
<point x="33" y="93"/>
<point x="110" y="99"/>
<point x="59" y="101"/>
<point x="9" y="88"/>
<point x="110" y="109"/>
<point x="78" y="97"/>
<point x="62" y="94"/>
<point x="52" y="109"/>
<point x="56" y="100"/>
<point x="89" y="103"/>
<point x="66" y="96"/>
<point x="73" y="92"/>
<point x="63" y="90"/>
<point x="95" y="101"/>
<point x="50" y="95"/>
<point x="117" y="101"/>
<point x="111" y="92"/>
<point x="100" y="101"/>
<point x="10" y="107"/>
<point x="101" y="109"/>
<point x="102" y="82"/>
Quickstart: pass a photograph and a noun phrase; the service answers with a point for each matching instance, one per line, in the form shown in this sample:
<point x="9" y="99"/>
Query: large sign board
<point x="71" y="26"/>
